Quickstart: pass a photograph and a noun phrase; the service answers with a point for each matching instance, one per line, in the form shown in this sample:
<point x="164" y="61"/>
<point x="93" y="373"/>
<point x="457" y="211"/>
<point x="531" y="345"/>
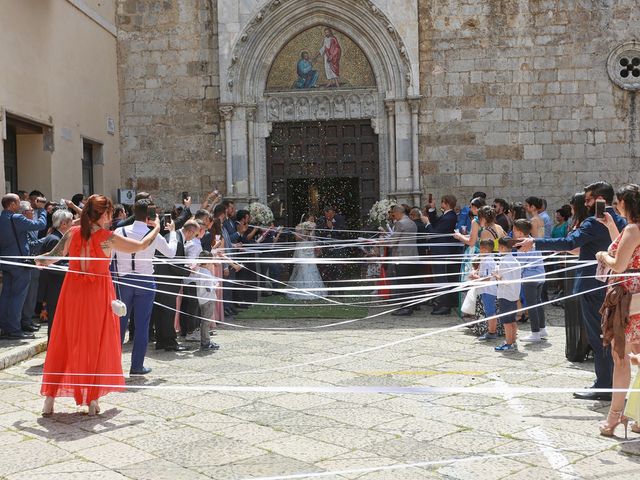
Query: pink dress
<point x="632" y="284"/>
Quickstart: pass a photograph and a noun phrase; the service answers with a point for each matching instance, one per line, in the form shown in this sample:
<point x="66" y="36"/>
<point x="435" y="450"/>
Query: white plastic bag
<point x="469" y="303"/>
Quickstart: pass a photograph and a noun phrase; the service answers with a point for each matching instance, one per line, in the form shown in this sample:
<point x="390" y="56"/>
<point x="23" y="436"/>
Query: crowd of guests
<point x="171" y="276"/>
<point x="507" y="261"/>
<point x="194" y="246"/>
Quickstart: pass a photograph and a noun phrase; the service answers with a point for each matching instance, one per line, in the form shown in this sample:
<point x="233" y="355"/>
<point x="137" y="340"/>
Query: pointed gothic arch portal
<point x="334" y="65"/>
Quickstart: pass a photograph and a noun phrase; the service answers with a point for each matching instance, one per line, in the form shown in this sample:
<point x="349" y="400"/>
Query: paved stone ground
<point x="173" y="434"/>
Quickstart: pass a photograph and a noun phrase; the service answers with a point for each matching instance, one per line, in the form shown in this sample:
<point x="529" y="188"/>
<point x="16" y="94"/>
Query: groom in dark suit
<point x="331" y="228"/>
<point x="443" y="225"/>
<point x="591" y="238"/>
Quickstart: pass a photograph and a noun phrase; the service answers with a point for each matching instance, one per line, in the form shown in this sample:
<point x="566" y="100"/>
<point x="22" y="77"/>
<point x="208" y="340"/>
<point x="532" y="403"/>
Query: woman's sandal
<point x="94" y="408"/>
<point x="47" y="409"/>
<point x="608" y="429"/>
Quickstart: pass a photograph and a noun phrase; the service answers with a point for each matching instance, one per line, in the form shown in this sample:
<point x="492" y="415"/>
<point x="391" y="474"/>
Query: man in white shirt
<point x="137" y="285"/>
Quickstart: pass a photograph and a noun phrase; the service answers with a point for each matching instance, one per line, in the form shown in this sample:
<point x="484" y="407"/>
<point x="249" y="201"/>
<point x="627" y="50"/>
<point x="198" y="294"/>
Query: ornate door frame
<point x="248" y="111"/>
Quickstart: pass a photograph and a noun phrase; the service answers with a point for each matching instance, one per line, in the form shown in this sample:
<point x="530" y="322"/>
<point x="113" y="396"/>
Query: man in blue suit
<point x="16" y="278"/>
<point x="591" y="237"/>
<point x="443" y="225"/>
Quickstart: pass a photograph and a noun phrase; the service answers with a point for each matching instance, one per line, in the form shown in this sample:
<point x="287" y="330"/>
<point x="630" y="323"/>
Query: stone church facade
<point x="434" y="96"/>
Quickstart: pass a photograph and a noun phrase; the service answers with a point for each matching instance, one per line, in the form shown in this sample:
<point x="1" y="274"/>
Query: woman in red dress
<point x="83" y="357"/>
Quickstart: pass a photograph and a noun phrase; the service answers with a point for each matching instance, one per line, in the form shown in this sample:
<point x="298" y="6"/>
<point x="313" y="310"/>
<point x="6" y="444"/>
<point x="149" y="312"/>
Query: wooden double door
<point x="311" y="165"/>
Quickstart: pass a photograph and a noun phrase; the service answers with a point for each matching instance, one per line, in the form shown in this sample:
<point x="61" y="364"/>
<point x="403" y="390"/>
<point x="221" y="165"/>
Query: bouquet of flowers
<point x="379" y="213"/>
<point x="260" y="214"/>
<point x="306" y="228"/>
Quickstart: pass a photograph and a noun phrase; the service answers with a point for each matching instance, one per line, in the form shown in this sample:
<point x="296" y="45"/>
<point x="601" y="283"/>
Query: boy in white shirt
<point x="206" y="284"/>
<point x="189" y="304"/>
<point x="508" y="274"/>
<point x="489" y="293"/>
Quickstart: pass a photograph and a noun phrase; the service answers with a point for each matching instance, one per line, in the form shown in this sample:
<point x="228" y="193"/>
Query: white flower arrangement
<point x="379" y="213"/>
<point x="260" y="214"/>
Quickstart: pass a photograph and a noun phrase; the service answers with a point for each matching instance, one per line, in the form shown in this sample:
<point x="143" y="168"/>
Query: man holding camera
<point x="16" y="278"/>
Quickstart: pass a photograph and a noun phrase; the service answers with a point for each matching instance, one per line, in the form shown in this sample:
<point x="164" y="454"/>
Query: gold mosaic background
<point x="355" y="70"/>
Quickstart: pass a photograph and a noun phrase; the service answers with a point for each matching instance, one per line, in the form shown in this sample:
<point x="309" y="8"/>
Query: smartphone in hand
<point x="600" y="208"/>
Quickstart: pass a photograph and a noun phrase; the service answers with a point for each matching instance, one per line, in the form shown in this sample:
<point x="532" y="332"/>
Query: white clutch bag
<point x="119" y="308"/>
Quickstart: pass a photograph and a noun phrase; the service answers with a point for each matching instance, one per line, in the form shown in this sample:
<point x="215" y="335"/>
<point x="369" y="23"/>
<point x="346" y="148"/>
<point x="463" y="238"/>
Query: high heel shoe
<point x="94" y="408"/>
<point x="607" y="429"/>
<point x="47" y="409"/>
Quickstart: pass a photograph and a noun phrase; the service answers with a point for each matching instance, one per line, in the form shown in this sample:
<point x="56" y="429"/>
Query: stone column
<point x="414" y="103"/>
<point x="390" y="106"/>
<point x="226" y="111"/>
<point x="251" y="156"/>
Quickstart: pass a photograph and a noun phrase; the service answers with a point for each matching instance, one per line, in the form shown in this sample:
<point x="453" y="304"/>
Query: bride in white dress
<point x="306" y="275"/>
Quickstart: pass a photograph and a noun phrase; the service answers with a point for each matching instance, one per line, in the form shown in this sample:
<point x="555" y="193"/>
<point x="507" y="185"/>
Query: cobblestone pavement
<point x="193" y="434"/>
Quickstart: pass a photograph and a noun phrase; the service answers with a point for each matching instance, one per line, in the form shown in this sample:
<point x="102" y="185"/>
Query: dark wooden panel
<point x="323" y="150"/>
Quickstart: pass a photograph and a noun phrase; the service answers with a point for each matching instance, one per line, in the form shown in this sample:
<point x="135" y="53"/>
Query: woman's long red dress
<point x="84" y="353"/>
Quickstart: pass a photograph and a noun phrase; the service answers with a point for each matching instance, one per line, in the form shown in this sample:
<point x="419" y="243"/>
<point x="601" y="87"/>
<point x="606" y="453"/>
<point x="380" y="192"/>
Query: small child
<point x="508" y="291"/>
<point x="532" y="263"/>
<point x="488" y="294"/>
<point x="206" y="284"/>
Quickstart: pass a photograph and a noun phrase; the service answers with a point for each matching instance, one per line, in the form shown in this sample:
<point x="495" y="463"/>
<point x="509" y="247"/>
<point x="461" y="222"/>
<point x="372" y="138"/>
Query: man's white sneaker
<point x="543" y="333"/>
<point x="533" y="338"/>
<point x="193" y="336"/>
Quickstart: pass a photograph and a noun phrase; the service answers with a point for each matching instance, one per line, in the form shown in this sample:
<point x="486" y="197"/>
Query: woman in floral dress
<point x="624" y="255"/>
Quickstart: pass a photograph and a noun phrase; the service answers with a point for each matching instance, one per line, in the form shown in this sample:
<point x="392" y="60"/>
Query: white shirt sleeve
<point x="167" y="249"/>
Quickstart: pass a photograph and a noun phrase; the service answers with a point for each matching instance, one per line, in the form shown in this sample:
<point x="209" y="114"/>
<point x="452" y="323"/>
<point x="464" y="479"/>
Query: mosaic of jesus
<point x="320" y="58"/>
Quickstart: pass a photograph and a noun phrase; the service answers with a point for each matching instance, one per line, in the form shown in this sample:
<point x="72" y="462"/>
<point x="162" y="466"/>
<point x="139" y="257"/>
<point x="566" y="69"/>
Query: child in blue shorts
<point x="508" y="274"/>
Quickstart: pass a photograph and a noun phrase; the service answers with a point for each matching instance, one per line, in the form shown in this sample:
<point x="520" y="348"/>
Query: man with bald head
<point x="15" y="277"/>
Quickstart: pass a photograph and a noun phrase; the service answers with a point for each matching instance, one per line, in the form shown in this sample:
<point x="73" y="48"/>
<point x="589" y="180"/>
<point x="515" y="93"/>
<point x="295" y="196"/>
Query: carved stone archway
<point x="250" y="111"/>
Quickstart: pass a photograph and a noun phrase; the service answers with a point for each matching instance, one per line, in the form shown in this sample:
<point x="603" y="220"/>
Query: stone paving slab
<point x="181" y="433"/>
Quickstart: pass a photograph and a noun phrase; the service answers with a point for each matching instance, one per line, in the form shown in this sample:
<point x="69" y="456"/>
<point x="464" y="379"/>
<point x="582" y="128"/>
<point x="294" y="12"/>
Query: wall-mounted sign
<point x="126" y="197"/>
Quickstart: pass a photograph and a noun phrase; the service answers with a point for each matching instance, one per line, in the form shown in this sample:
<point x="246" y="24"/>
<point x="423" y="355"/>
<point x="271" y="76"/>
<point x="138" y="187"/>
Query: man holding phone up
<point x="590" y="238"/>
<point x="135" y="274"/>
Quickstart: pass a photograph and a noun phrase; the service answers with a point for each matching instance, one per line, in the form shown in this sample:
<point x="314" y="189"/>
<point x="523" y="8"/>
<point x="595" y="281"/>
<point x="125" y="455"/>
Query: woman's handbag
<point x="119" y="307"/>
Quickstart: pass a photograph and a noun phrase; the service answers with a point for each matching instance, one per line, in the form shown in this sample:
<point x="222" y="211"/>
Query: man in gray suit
<point x="403" y="243"/>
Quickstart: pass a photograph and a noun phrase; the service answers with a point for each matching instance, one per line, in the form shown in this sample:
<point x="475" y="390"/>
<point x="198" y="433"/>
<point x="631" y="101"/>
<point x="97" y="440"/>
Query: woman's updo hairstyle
<point x="630" y="194"/>
<point x="488" y="214"/>
<point x="93" y="210"/>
